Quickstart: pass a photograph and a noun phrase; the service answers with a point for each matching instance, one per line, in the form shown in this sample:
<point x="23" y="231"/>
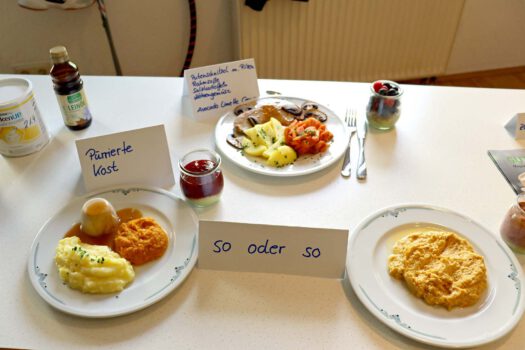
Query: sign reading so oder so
<point x="129" y="157"/>
<point x="269" y="248"/>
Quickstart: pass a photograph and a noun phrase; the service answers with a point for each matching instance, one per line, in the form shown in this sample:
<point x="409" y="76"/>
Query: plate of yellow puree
<point x="114" y="252"/>
<point x="435" y="276"/>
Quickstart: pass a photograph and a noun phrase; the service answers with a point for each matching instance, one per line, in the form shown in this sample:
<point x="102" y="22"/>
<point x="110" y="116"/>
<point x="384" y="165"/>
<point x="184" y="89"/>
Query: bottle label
<point x="75" y="109"/>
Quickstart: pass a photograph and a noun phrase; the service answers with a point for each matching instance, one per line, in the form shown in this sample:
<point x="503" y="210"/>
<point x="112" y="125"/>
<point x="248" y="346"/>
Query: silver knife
<point x="361" y="135"/>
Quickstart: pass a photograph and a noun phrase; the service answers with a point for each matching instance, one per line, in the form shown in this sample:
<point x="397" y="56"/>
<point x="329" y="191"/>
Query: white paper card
<point x="516" y="126"/>
<point x="138" y="156"/>
<point x="274" y="249"/>
<point x="213" y="90"/>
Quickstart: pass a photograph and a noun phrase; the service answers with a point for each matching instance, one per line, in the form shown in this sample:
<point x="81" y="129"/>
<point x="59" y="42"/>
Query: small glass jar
<point x="384" y="106"/>
<point x="512" y="228"/>
<point x="201" y="179"/>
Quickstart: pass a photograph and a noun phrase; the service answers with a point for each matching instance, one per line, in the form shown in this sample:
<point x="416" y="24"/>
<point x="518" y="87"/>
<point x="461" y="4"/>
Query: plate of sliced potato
<point x="284" y="136"/>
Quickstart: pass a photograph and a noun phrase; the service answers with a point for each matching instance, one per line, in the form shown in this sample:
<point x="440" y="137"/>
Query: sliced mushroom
<point x="292" y="108"/>
<point x="317" y="114"/>
<point x="234" y="141"/>
<point x="240" y="109"/>
<point x="309" y="105"/>
<point x="243" y="122"/>
<point x="253" y="120"/>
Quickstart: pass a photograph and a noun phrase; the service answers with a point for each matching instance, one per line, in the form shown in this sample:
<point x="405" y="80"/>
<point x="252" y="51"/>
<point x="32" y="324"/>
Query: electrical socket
<point x="39" y="68"/>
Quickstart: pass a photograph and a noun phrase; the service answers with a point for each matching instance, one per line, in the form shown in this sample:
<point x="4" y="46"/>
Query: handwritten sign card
<point x="274" y="249"/>
<point x="213" y="90"/>
<point x="138" y="156"/>
<point x="516" y="126"/>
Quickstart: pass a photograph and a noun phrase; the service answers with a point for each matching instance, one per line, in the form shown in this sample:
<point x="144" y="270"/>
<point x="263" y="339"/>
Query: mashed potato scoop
<point x="92" y="268"/>
<point x="98" y="217"/>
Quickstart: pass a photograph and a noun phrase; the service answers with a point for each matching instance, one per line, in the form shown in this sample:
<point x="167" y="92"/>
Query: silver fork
<point x="350" y="120"/>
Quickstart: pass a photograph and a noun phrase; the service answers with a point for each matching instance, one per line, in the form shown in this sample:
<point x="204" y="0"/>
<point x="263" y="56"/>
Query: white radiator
<point x="349" y="40"/>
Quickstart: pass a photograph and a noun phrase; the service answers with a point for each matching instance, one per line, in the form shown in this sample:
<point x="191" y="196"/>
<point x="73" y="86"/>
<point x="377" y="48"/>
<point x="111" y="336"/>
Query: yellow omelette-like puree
<point x="440" y="267"/>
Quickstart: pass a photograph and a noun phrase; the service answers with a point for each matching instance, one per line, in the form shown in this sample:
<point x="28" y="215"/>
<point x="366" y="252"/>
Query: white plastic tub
<point x="22" y="130"/>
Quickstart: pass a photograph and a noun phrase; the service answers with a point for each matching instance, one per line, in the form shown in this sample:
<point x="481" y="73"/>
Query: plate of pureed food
<point x="435" y="276"/>
<point x="284" y="136"/>
<point x="114" y="252"/>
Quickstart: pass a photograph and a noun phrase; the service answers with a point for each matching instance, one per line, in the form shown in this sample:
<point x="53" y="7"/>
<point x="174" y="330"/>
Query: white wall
<point x="151" y="37"/>
<point x="491" y="34"/>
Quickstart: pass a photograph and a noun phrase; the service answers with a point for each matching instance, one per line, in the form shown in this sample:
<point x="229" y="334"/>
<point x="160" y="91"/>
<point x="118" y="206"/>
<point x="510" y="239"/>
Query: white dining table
<point x="436" y="155"/>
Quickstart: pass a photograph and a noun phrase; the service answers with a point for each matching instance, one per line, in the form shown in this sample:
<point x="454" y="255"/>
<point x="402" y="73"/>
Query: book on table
<point x="511" y="164"/>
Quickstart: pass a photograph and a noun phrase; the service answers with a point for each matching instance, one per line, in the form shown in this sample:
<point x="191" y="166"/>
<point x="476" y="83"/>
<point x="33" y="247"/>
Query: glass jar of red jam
<point x="201" y="178"/>
<point x="513" y="226"/>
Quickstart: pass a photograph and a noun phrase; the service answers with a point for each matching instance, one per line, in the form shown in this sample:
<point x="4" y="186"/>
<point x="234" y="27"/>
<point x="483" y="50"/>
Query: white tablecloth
<point x="437" y="155"/>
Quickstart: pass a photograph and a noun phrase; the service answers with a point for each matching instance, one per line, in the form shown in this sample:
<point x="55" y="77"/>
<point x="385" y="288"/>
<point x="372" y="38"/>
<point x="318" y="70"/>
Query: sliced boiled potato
<point x="279" y="128"/>
<point x="254" y="136"/>
<point x="267" y="140"/>
<point x="268" y="132"/>
<point x="274" y="146"/>
<point x="260" y="134"/>
<point x="281" y="156"/>
<point x="251" y="149"/>
<point x="265" y="134"/>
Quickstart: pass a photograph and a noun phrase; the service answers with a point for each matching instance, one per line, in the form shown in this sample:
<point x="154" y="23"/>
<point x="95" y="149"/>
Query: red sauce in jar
<point x="208" y="180"/>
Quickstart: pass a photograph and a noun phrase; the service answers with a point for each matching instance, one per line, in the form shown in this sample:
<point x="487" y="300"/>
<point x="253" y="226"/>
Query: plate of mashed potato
<point x="114" y="252"/>
<point x="435" y="276"/>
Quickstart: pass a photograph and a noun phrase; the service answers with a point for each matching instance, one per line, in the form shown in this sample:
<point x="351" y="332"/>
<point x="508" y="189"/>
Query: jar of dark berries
<point x="384" y="107"/>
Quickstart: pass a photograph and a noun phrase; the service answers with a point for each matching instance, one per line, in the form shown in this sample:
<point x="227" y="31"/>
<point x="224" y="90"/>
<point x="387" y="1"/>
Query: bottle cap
<point x="58" y="54"/>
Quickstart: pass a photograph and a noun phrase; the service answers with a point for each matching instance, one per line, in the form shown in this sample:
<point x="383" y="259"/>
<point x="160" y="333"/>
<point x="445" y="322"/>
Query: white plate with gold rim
<point x="305" y="164"/>
<point x="497" y="312"/>
<point x="153" y="281"/>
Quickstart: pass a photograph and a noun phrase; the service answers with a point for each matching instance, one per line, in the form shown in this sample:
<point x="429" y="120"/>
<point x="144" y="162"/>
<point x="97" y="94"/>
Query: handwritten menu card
<point x="138" y="156"/>
<point x="274" y="249"/>
<point x="213" y="90"/>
